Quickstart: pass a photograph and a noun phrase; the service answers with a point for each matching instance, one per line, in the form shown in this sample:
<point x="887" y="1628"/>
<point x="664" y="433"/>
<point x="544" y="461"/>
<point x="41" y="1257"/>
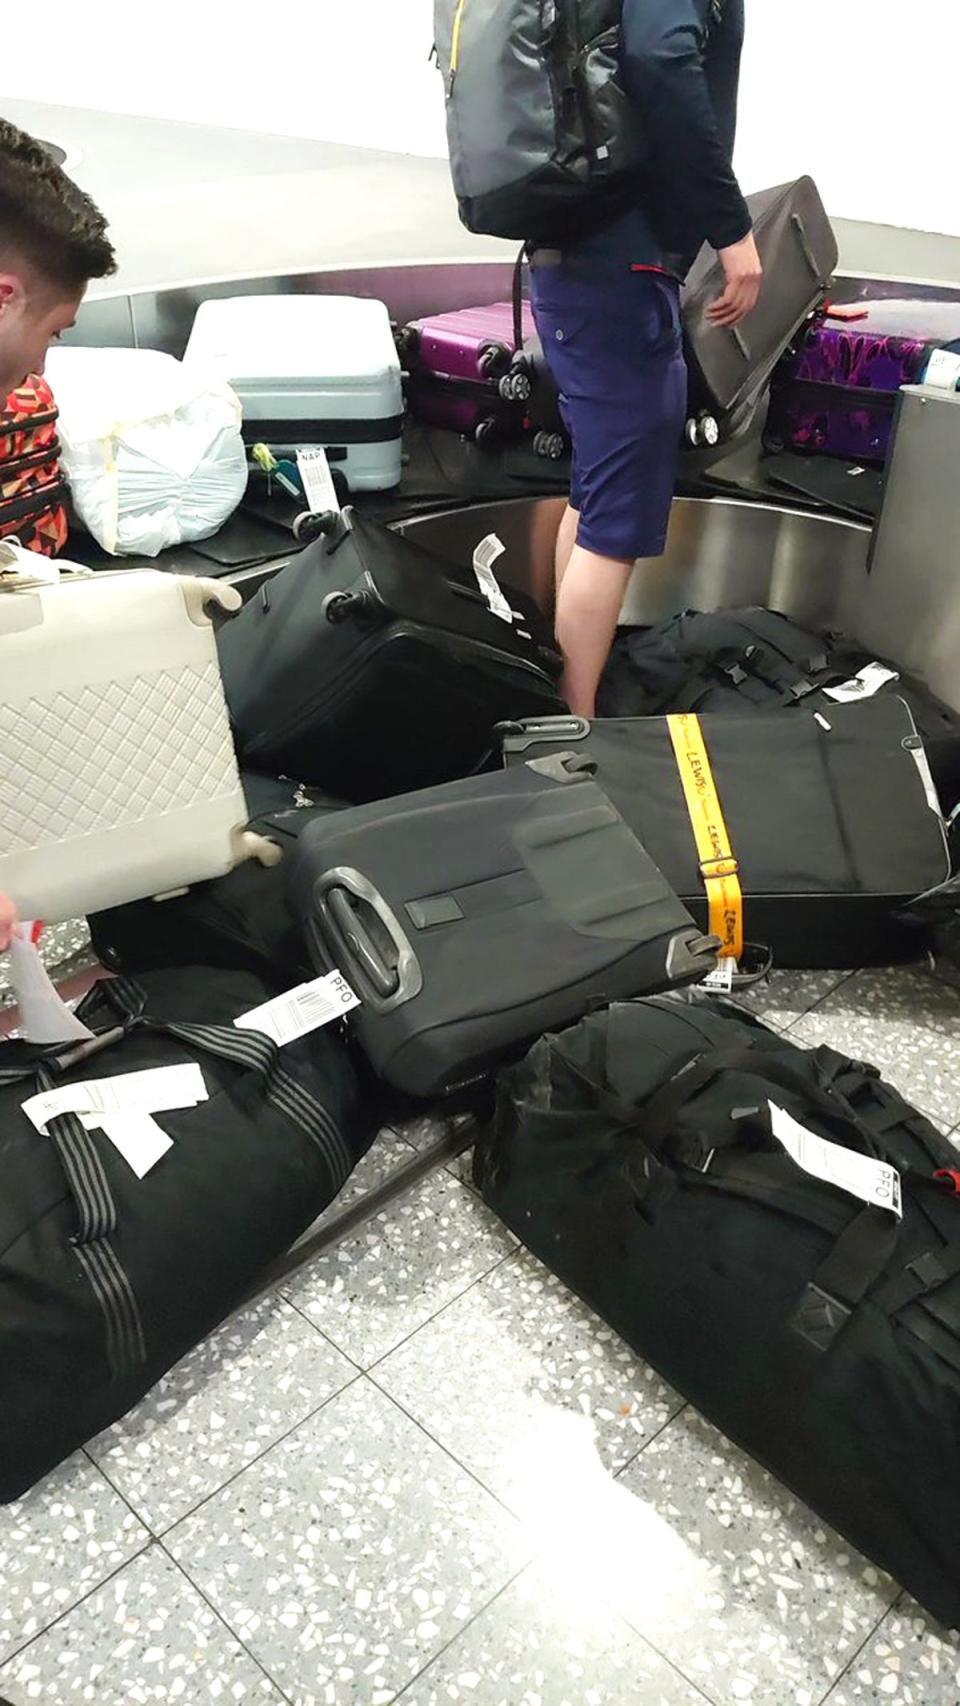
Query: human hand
<point x="744" y="276"/>
<point x="8" y="920"/>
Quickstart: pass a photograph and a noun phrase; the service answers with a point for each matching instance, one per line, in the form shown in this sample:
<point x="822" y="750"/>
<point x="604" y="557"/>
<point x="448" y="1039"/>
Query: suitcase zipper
<point x="332" y="703"/>
<point x="30" y="459"/>
<point x="35" y="503"/>
<point x="10" y="423"/>
<point x="455" y="45"/>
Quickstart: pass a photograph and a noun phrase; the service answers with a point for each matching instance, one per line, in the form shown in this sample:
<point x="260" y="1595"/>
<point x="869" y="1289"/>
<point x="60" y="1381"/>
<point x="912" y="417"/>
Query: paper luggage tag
<point x="874" y="1182"/>
<point x="318" y="486"/>
<point x="301" y="1010"/>
<point x="157" y="1089"/>
<point x="721" y="977"/>
<point x="484" y="557"/>
<point x="137" y="1137"/>
<point x="863" y="685"/>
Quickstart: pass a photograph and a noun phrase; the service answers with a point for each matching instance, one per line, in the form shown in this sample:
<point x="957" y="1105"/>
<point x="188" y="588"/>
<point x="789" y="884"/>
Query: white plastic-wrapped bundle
<point x="152" y="450"/>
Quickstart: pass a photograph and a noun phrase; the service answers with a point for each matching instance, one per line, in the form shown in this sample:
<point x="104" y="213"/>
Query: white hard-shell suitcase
<point x="311" y="370"/>
<point x="118" y="778"/>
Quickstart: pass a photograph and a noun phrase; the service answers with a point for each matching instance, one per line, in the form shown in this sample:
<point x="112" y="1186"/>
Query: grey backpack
<point x="545" y="144"/>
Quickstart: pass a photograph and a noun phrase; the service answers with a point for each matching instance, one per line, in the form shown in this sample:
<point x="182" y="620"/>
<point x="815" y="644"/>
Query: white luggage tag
<point x="301" y="1010"/>
<point x="874" y="1182"/>
<point x="44" y="1015"/>
<point x="154" y="1090"/>
<point x="863" y="685"/>
<point x="319" y="489"/>
<point x="484" y="557"/>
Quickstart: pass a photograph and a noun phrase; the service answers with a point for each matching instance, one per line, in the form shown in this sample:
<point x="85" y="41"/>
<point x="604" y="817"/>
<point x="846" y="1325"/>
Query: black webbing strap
<point x="518" y="299"/>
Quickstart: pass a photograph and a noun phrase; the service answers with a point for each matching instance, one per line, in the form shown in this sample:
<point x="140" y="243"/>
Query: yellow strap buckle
<point x="718" y="867"/>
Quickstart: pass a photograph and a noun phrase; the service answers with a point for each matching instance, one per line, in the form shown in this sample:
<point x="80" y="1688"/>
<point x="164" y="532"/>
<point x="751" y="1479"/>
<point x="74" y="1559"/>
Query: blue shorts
<point x="612" y="341"/>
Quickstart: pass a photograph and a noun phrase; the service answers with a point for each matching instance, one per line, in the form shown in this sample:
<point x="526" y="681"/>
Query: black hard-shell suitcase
<point x="471" y="917"/>
<point x="832" y="822"/>
<point x="730" y="366"/>
<point x="108" y="1279"/>
<point x="757" y="659"/>
<point x="369" y="666"/>
<point x="635" y="1155"/>
<point x="238" y="921"/>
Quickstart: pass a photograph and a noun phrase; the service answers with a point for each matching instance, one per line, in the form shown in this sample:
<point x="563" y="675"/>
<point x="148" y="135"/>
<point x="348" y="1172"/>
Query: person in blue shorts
<point x="608" y="314"/>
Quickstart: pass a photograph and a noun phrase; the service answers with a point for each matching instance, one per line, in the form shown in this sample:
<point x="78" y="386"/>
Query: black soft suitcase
<point x="635" y="1155"/>
<point x="730" y="365"/>
<point x="369" y="666"/>
<point x="830" y="822"/>
<point x="107" y="1278"/>
<point x="471" y="917"/>
<point x="241" y="920"/>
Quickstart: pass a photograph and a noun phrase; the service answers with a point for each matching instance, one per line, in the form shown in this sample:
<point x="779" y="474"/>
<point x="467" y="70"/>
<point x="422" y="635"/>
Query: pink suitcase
<point x="465" y="373"/>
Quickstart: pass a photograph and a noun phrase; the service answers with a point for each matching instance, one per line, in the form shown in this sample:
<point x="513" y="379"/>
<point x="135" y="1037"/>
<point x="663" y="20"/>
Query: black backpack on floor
<point x="756" y="659"/>
<point x="107" y="1279"/>
<point x="634" y="1155"/>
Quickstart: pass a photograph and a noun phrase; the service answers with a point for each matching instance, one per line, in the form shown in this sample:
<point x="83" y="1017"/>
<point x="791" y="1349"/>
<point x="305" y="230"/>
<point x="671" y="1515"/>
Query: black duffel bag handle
<point x="863" y="1250"/>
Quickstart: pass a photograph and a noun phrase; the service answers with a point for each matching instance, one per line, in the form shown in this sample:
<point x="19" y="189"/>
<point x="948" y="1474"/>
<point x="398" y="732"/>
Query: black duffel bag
<point x="106" y="1279"/>
<point x="239" y="921"/>
<point x="634" y="1155"/>
<point x="756" y="659"/>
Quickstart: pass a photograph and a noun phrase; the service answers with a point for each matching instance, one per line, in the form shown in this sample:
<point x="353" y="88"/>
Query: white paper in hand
<point x="874" y="1182"/>
<point x="44" y="1016"/>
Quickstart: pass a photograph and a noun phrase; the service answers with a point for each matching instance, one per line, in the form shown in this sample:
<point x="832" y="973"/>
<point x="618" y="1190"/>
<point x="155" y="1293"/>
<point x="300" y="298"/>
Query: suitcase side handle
<point x="382" y="985"/>
<point x="807" y="248"/>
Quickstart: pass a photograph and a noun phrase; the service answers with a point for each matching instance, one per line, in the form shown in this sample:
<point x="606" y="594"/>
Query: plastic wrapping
<point x="152" y="450"/>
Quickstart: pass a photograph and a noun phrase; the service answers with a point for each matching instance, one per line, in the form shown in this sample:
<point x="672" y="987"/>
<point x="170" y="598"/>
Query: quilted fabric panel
<point x="110" y="756"/>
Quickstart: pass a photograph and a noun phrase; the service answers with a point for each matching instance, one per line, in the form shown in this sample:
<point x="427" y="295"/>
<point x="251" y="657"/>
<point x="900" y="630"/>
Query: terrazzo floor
<point x="423" y="1472"/>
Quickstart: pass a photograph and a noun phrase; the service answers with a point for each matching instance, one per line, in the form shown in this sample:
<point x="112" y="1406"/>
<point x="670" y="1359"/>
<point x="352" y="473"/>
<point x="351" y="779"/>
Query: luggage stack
<point x="467" y="898"/>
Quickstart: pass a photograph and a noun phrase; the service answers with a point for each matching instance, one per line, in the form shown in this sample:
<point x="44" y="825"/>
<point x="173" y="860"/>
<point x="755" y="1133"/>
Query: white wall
<point x="859" y="92"/>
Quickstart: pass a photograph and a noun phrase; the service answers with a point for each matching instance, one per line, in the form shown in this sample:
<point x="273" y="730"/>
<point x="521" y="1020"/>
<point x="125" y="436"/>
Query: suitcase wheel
<point x="487" y="431"/>
<point x="550" y="445"/>
<point x="703" y="430"/>
<point x="493" y="361"/>
<point x="515" y="386"/>
<point x="408" y="342"/>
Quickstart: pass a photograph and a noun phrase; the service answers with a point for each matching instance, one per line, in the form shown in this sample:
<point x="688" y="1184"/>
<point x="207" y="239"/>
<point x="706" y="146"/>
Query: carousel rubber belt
<point x="718" y="867"/>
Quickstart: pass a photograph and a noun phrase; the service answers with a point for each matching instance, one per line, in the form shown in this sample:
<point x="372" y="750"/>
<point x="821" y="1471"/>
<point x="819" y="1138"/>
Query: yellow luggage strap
<point x="718" y="867"/>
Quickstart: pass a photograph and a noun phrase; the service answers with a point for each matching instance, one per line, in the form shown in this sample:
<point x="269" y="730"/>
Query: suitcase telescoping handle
<point x="365" y="936"/>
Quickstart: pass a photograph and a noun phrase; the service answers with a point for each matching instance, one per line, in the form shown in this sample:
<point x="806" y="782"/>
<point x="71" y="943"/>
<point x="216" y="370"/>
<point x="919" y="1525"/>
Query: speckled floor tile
<point x="348" y="1556"/>
<point x="750" y="1594"/>
<point x="909" y="1662"/>
<point x="527" y="1387"/>
<point x="785" y="996"/>
<point x="145" y="1636"/>
<point x="903" y="993"/>
<point x="64" y="948"/>
<point x="420" y="1130"/>
<point x="539" y="1644"/>
<point x="923" y="1066"/>
<point x="223" y="1405"/>
<point x="376" y="1287"/>
<point x="56" y="1544"/>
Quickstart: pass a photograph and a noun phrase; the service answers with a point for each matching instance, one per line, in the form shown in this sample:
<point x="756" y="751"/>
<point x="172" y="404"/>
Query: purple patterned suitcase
<point x="838" y="393"/>
<point x="464" y="373"/>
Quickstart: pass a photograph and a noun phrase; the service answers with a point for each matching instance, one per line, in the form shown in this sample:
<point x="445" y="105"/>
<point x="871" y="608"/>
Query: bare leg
<point x="588" y="608"/>
<point x="566" y="539"/>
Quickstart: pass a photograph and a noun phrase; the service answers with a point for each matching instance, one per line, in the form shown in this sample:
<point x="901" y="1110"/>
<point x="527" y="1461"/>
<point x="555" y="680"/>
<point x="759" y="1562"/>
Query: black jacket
<point x="681" y="64"/>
